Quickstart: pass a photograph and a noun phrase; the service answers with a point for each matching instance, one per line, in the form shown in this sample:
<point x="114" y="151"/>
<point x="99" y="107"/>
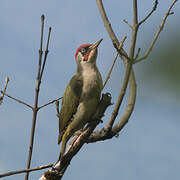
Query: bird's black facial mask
<point x="84" y="50"/>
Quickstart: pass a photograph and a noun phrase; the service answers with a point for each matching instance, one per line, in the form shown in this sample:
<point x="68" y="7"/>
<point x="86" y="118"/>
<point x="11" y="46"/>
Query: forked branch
<point x="150" y="13"/>
<point x="157" y="33"/>
<point x="126" y="59"/>
<point x="37" y="89"/>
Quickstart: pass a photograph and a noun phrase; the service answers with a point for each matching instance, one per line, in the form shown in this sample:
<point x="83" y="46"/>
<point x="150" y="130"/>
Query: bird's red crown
<point x="79" y="48"/>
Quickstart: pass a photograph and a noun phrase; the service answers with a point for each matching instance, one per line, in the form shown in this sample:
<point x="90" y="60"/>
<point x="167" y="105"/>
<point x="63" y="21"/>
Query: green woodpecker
<point x="82" y="94"/>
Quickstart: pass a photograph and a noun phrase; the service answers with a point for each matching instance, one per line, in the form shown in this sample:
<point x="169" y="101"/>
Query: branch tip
<point x="42" y="17"/>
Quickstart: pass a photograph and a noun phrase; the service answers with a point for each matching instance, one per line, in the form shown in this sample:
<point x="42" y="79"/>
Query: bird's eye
<point x="83" y="50"/>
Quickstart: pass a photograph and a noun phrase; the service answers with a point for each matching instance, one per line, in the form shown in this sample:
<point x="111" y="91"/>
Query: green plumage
<point x="69" y="104"/>
<point x="82" y="94"/>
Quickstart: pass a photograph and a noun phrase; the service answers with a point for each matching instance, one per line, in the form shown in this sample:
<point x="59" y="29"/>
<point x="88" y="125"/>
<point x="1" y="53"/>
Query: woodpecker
<point x="82" y="94"/>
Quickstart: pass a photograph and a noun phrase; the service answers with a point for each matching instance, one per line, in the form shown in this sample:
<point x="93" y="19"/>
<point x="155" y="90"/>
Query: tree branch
<point x="157" y="33"/>
<point x="51" y="102"/>
<point x="150" y="13"/>
<point x="46" y="53"/>
<point x="128" y="23"/>
<point x="37" y="89"/>
<point x="18" y="100"/>
<point x="123" y="55"/>
<point x="115" y="58"/>
<point x="25" y="170"/>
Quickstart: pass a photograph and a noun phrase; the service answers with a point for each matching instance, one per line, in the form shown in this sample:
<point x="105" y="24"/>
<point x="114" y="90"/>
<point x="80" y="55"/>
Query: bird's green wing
<point x="69" y="104"/>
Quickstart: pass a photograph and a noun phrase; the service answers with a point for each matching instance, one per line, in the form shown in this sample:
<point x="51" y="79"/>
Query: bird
<point x="82" y="94"/>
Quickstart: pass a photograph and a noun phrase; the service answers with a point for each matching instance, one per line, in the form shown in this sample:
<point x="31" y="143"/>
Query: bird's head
<point x="87" y="53"/>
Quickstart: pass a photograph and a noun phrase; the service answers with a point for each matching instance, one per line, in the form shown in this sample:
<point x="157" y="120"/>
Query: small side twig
<point x="18" y="100"/>
<point x="46" y="53"/>
<point x="25" y="170"/>
<point x="51" y="102"/>
<point x="115" y="58"/>
<point x="150" y="13"/>
<point x="128" y="23"/>
<point x="138" y="52"/>
<point x="4" y="90"/>
<point x="157" y="33"/>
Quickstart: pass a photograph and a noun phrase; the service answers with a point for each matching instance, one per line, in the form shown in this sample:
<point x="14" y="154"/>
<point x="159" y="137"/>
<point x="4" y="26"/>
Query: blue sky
<point x="147" y="148"/>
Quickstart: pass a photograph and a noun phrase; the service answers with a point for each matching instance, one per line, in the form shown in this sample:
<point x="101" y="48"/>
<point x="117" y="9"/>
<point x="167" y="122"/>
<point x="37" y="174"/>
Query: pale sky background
<point x="147" y="148"/>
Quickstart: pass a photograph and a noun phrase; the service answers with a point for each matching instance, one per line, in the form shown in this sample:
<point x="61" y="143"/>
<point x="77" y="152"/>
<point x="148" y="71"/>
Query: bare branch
<point x="150" y="13"/>
<point x="130" y="106"/>
<point x="157" y="33"/>
<point x="107" y="24"/>
<point x="46" y="52"/>
<point x="51" y="102"/>
<point x="128" y="23"/>
<point x="135" y="12"/>
<point x="4" y="90"/>
<point x="18" y="100"/>
<point x="25" y="170"/>
<point x="123" y="55"/>
<point x="115" y="58"/>
<point x="121" y="96"/>
<point x="134" y="30"/>
<point x="128" y="68"/>
<point x="40" y="49"/>
<point x="137" y="55"/>
<point x="35" y="108"/>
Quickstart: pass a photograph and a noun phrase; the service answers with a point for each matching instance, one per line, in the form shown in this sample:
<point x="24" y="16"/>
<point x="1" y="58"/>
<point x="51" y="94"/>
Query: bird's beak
<point x="95" y="45"/>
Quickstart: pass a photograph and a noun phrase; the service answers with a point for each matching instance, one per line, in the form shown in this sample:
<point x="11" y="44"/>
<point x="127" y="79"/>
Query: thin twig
<point x="134" y="30"/>
<point x="110" y="71"/>
<point x="128" y="23"/>
<point x="51" y="102"/>
<point x="40" y="49"/>
<point x="18" y="100"/>
<point x="115" y="58"/>
<point x="150" y="13"/>
<point x="35" y="108"/>
<point x="157" y="33"/>
<point x="137" y="55"/>
<point x="4" y="90"/>
<point x="135" y="13"/>
<point x="25" y="170"/>
<point x="46" y="52"/>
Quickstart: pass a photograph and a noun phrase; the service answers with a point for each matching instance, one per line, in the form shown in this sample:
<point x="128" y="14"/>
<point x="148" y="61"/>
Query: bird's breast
<point x="92" y="82"/>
